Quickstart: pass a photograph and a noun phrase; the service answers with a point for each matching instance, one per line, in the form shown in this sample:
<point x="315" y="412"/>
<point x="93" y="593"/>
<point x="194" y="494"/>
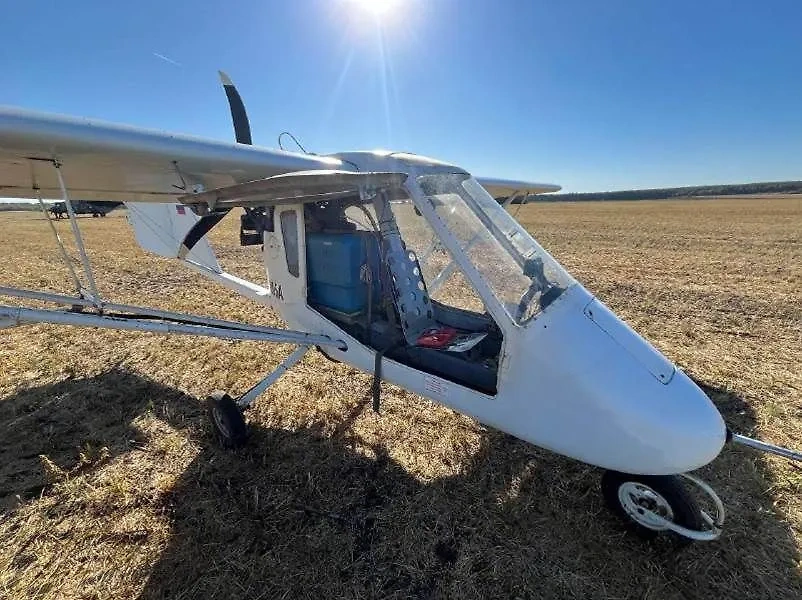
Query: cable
<point x="294" y="139"/>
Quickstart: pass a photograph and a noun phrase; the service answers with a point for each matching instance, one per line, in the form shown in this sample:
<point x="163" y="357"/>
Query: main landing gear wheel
<point x="636" y="498"/>
<point x="227" y="420"/>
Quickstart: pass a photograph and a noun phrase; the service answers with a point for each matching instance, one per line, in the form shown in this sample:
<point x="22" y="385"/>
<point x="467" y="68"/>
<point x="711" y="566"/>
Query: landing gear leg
<point x="225" y="412"/>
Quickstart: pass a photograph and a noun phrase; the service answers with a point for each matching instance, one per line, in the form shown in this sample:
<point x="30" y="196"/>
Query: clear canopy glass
<point x="520" y="273"/>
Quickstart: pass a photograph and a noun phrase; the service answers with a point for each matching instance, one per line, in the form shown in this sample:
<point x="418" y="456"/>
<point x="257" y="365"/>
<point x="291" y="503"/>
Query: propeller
<point x="254" y="221"/>
<point x="242" y="128"/>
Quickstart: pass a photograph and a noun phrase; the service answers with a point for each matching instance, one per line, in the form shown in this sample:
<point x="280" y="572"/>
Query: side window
<point x="289" y="231"/>
<point x="444" y="279"/>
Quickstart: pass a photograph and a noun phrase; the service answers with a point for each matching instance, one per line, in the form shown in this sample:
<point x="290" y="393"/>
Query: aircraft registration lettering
<point x="435" y="386"/>
<point x="275" y="290"/>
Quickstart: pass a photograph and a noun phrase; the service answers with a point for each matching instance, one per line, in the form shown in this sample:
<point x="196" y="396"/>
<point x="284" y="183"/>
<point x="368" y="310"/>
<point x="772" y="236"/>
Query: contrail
<point x="167" y="59"/>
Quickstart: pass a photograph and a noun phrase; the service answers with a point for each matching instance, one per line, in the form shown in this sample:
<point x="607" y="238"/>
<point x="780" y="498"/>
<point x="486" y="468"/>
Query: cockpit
<point x="431" y="273"/>
<point x="522" y="276"/>
<point x="369" y="280"/>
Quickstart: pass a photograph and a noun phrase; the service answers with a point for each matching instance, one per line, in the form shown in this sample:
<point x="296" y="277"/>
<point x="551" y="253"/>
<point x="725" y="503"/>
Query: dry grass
<point x="112" y="487"/>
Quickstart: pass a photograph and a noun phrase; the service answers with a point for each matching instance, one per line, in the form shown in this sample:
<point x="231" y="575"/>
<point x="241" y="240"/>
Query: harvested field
<point x="112" y="487"/>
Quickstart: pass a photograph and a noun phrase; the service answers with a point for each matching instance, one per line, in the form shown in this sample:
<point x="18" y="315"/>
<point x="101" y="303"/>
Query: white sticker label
<point x="435" y="386"/>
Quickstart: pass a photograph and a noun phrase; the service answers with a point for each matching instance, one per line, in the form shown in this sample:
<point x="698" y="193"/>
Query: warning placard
<point x="435" y="386"/>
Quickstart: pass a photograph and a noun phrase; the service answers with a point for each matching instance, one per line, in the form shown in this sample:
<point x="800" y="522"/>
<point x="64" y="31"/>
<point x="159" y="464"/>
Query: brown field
<point x="112" y="487"/>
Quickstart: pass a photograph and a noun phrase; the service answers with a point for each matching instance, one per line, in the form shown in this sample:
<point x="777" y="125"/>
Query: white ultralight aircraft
<point x="401" y="266"/>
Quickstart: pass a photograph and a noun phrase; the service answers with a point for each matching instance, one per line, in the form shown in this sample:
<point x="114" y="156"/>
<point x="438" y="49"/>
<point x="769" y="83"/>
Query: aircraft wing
<point x="298" y="186"/>
<point x="506" y="187"/>
<point x="174" y="230"/>
<point x="103" y="161"/>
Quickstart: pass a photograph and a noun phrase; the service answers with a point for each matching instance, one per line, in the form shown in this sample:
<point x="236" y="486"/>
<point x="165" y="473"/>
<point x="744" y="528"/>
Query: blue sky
<point x="592" y="95"/>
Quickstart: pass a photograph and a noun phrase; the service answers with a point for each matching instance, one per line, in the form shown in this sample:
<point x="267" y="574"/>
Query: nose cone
<point x="689" y="431"/>
<point x="600" y="395"/>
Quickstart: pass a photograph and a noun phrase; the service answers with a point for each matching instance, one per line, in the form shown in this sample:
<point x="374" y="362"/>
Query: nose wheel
<point x="654" y="503"/>
<point x="227" y="420"/>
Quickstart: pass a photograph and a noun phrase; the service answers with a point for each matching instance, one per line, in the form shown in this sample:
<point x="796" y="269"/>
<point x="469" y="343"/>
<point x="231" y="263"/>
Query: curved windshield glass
<point x="521" y="274"/>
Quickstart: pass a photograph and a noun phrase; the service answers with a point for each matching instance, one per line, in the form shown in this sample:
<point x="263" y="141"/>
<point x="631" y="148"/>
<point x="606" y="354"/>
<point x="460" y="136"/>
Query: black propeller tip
<point x="242" y="127"/>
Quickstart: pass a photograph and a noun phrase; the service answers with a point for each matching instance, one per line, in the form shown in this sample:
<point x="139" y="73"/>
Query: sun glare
<point x="377" y="8"/>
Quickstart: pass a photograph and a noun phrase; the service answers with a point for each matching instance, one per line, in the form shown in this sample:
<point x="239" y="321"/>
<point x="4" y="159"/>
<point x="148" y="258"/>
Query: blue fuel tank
<point x="334" y="262"/>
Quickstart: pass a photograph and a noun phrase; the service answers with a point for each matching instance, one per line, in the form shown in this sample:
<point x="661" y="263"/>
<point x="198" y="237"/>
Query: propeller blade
<point x="242" y="128"/>
<point x="199" y="229"/>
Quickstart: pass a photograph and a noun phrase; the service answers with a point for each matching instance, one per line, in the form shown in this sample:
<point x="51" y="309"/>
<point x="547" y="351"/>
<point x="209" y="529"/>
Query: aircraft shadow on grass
<point x="303" y="514"/>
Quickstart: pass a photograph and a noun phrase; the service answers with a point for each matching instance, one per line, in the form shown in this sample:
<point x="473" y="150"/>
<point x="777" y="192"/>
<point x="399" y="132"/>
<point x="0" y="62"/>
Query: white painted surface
<point x="107" y="161"/>
<point x="160" y="228"/>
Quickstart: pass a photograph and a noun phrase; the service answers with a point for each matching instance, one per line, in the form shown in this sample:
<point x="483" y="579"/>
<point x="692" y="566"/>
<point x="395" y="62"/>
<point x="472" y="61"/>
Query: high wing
<point x="499" y="188"/>
<point x="170" y="230"/>
<point x="299" y="186"/>
<point x="104" y="161"/>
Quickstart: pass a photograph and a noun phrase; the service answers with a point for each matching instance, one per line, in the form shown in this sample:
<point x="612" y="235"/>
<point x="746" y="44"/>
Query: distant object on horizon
<point x="96" y="209"/>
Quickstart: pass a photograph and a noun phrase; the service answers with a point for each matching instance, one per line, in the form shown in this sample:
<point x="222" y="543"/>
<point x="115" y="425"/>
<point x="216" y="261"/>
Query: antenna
<point x="294" y="139"/>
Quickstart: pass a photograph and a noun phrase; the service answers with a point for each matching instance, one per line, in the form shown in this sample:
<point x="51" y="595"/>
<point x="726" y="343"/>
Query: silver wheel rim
<point x="642" y="503"/>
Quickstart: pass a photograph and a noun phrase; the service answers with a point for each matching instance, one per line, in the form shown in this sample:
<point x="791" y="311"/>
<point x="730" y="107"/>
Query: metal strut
<point x="139" y="311"/>
<point x="62" y="250"/>
<point x="11" y="316"/>
<point x="79" y="242"/>
<point x="257" y="390"/>
<point x="149" y="319"/>
<point x="765" y="447"/>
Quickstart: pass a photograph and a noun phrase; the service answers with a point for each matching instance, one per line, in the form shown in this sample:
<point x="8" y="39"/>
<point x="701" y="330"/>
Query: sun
<point x="378" y="8"/>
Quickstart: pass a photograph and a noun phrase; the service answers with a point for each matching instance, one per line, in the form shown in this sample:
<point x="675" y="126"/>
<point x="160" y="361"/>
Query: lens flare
<point x="377" y="8"/>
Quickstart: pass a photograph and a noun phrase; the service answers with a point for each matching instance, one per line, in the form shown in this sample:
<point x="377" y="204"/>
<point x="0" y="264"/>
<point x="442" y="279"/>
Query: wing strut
<point x="79" y="242"/>
<point x="135" y="318"/>
<point x="62" y="250"/>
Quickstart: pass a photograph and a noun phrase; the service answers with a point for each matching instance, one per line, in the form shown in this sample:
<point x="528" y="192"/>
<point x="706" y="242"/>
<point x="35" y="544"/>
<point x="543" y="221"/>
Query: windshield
<point x="521" y="274"/>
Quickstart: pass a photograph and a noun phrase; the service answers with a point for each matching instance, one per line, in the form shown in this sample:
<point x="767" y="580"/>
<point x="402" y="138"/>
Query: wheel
<point x="227" y="420"/>
<point x="628" y="496"/>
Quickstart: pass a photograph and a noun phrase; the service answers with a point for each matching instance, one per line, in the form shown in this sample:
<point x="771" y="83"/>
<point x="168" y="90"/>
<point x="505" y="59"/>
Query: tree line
<point x="770" y="187"/>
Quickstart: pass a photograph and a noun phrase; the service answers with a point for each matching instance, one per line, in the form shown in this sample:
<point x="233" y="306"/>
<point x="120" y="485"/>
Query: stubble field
<point x="111" y="485"/>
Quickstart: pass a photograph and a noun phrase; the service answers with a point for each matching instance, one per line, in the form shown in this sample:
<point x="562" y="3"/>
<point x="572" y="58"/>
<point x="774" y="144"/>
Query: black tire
<point x="685" y="510"/>
<point x="227" y="420"/>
